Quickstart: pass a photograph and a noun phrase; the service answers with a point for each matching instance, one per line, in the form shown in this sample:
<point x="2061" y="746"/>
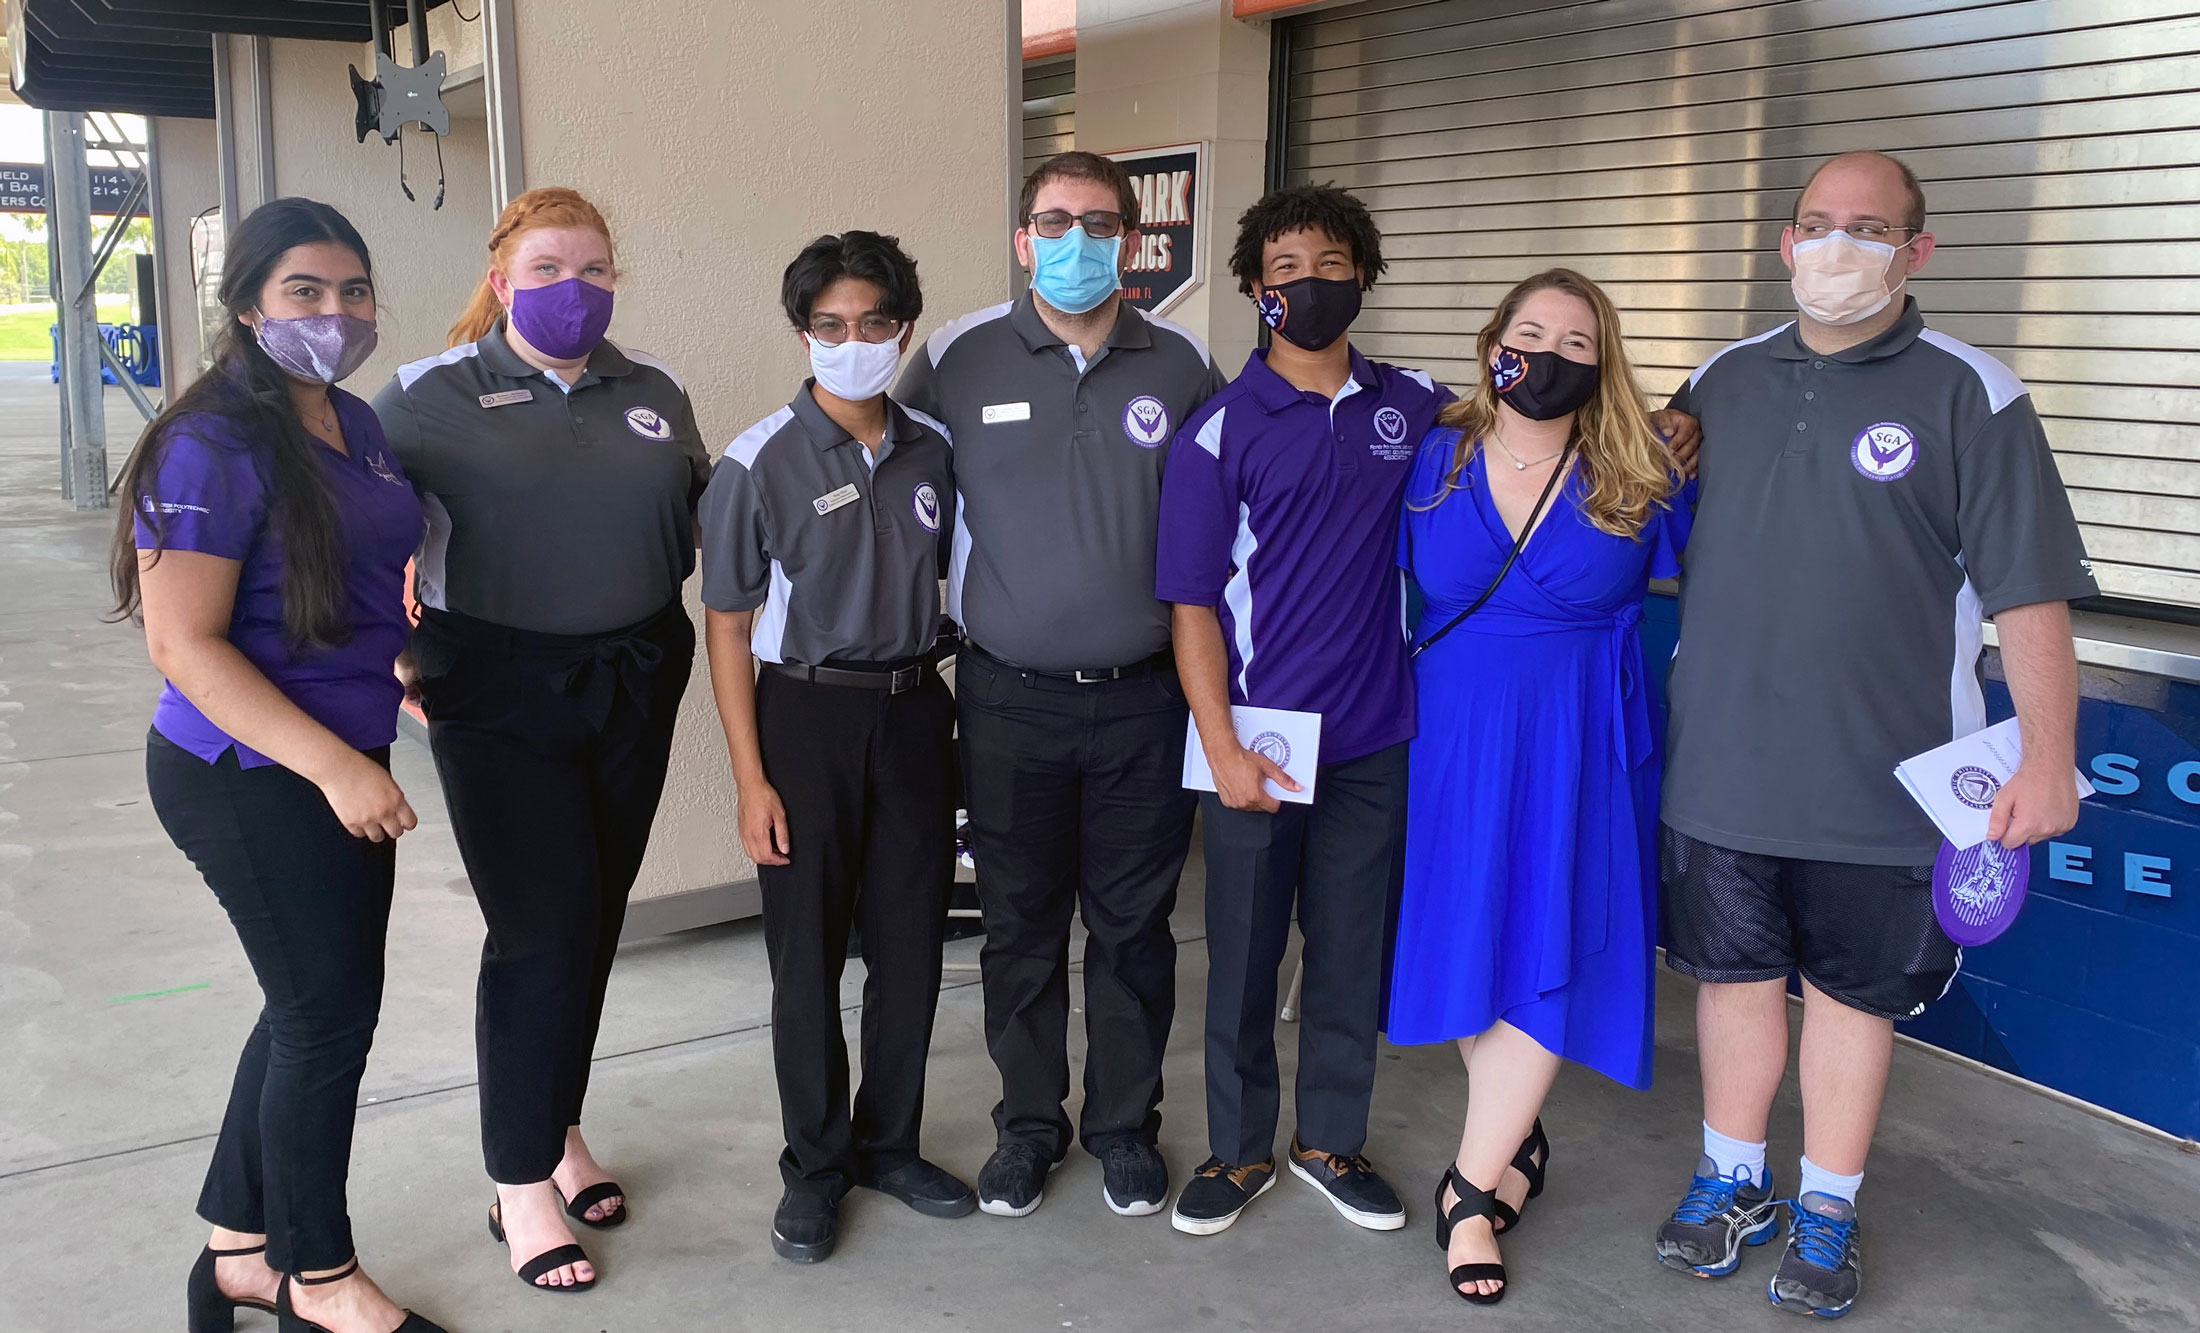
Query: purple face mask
<point x="326" y="348"/>
<point x="563" y="321"/>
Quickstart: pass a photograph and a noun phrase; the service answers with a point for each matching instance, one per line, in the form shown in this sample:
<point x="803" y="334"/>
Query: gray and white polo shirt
<point x="1059" y="463"/>
<point x="1860" y="514"/>
<point x="842" y="550"/>
<point x="562" y="510"/>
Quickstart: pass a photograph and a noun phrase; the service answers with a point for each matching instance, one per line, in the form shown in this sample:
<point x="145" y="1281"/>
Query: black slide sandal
<point x="1472" y="1203"/>
<point x="544" y="1262"/>
<point x="577" y="1207"/>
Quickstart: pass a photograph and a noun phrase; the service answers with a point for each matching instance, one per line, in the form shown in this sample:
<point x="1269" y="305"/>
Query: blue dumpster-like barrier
<point x="2091" y="990"/>
<point x="136" y="346"/>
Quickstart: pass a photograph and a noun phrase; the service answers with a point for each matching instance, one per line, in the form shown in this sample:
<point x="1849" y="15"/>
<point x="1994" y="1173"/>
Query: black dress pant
<point x="552" y="752"/>
<point x="1076" y="803"/>
<point x="868" y="782"/>
<point x="1341" y="860"/>
<point x="311" y="904"/>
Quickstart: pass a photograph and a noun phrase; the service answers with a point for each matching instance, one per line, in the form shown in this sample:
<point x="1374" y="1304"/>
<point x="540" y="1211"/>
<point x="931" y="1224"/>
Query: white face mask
<point x="855" y="370"/>
<point x="1841" y="280"/>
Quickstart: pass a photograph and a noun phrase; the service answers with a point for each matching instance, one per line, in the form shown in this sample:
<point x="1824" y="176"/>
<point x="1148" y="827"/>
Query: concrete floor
<point x="123" y="997"/>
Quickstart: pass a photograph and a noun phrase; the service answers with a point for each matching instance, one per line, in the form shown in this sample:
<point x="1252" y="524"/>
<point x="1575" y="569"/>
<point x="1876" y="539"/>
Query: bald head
<point x="1864" y="185"/>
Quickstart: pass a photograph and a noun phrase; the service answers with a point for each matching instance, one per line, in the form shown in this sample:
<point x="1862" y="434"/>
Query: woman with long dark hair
<point x="264" y="550"/>
<point x="561" y="473"/>
<point x="1536" y="514"/>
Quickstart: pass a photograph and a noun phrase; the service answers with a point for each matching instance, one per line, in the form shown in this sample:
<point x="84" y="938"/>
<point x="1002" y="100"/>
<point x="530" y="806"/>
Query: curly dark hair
<point x="1324" y="208"/>
<point x="876" y="259"/>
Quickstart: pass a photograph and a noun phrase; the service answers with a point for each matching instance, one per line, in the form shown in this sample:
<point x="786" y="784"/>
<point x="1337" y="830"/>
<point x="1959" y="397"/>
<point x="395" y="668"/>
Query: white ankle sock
<point x="1733" y="1156"/>
<point x="1818" y="1180"/>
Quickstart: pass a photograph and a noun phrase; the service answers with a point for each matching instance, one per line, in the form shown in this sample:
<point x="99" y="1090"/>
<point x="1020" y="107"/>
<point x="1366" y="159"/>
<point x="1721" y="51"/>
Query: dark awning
<point x="155" y="57"/>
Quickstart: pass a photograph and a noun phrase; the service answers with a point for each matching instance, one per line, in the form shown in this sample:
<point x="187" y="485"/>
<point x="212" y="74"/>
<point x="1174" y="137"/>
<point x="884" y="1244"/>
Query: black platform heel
<point x="544" y="1262"/>
<point x="1526" y="1164"/>
<point x="212" y="1310"/>
<point x="1472" y="1203"/>
<point x="288" y="1320"/>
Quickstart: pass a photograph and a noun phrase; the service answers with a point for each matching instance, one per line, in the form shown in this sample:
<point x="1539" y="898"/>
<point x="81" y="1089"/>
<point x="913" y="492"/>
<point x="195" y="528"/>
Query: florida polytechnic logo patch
<point x="1507" y="369"/>
<point x="1146" y="421"/>
<point x="1975" y="787"/>
<point x="648" y="424"/>
<point x="1885" y="452"/>
<point x="926" y="502"/>
<point x="1271" y="745"/>
<point x="1273" y="308"/>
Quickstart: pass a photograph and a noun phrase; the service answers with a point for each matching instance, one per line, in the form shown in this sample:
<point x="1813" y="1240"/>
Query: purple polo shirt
<point x="1280" y="508"/>
<point x="209" y="495"/>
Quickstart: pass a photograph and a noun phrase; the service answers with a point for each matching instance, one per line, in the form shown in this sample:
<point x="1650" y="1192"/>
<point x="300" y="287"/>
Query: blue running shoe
<point x="1821" y="1273"/>
<point x="1716" y="1218"/>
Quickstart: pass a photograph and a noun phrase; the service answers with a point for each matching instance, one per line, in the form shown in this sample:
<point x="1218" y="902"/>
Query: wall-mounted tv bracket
<point x="401" y="95"/>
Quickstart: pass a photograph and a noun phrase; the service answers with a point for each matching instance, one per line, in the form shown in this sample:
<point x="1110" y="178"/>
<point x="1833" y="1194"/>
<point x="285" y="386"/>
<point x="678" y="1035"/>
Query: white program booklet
<point x="1957" y="782"/>
<point x="1293" y="740"/>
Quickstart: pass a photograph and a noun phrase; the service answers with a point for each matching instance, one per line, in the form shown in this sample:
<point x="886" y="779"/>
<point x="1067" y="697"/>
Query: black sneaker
<point x="1716" y="1218"/>
<point x="1013" y="1181"/>
<point x="1217" y="1193"/>
<point x="806" y="1226"/>
<point x="1821" y="1273"/>
<point x="924" y="1187"/>
<point x="1351" y="1185"/>
<point x="1135" y="1179"/>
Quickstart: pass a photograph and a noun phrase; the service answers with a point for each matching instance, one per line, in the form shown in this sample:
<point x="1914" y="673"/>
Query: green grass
<point x="23" y="335"/>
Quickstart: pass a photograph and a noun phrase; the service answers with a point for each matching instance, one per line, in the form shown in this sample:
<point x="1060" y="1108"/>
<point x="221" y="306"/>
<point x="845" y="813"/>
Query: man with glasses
<point x="824" y="532"/>
<point x="1870" y="490"/>
<point x="1061" y="405"/>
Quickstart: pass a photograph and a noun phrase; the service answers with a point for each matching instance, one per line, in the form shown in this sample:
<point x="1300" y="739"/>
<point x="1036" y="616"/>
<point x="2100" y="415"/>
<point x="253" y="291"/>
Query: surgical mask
<point x="565" y="320"/>
<point x="1311" y="312"/>
<point x="325" y="348"/>
<point x="855" y="371"/>
<point x="1073" y="272"/>
<point x="1542" y="386"/>
<point x="1840" y="279"/>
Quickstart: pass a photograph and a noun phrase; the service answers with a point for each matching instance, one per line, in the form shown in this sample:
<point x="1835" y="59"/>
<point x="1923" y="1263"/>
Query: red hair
<point x="551" y="206"/>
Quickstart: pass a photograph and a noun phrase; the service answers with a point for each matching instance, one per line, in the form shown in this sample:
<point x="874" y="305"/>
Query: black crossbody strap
<point x="1527" y="530"/>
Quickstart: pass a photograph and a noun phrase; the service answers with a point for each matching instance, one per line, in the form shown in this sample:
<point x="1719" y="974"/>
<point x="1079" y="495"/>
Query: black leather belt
<point x="894" y="678"/>
<point x="1161" y="661"/>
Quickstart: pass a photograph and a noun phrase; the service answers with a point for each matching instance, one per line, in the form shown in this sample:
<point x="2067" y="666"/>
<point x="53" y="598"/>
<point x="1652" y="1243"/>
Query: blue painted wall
<point x="2096" y="989"/>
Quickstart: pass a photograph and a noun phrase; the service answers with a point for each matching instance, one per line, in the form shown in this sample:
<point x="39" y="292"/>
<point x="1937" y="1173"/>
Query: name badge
<point x="507" y="398"/>
<point x="826" y="504"/>
<point x="998" y="412"/>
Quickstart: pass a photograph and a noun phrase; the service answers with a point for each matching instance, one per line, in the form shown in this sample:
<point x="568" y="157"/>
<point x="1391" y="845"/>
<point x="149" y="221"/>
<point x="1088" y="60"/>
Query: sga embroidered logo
<point x="380" y="467"/>
<point x="1884" y="452"/>
<point x="648" y="424"/>
<point x="1146" y="421"/>
<point x="1975" y="787"/>
<point x="926" y="502"/>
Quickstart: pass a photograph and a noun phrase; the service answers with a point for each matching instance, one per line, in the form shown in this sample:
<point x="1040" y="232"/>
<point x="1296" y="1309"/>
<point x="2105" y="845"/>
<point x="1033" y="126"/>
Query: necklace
<point x="1520" y="465"/>
<point x="330" y="424"/>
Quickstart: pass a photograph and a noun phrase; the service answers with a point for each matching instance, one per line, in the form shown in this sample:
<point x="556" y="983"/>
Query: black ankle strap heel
<point x="208" y="1309"/>
<point x="1472" y="1203"/>
<point x="288" y="1320"/>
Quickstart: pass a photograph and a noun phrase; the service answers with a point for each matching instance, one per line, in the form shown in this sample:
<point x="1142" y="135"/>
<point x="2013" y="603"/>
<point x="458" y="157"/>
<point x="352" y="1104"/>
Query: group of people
<point x="1132" y="544"/>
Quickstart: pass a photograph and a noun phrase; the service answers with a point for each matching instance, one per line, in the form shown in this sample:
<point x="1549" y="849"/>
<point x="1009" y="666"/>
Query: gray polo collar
<point x="826" y="433"/>
<point x="497" y="356"/>
<point x="1789" y="346"/>
<point x="1130" y="328"/>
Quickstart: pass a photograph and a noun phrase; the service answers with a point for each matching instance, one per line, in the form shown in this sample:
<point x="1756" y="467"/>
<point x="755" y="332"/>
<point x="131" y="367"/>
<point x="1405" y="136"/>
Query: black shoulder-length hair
<point x="878" y="260"/>
<point x="1336" y="213"/>
<point x="248" y="389"/>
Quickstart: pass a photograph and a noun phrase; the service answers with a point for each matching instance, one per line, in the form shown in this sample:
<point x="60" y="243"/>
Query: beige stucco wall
<point x="189" y="185"/>
<point x="1153" y="72"/>
<point x="719" y="136"/>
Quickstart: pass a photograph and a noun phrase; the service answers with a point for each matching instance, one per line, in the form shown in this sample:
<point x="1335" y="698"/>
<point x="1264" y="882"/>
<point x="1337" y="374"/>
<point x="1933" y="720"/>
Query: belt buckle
<point x="1093" y="677"/>
<point x="904" y="679"/>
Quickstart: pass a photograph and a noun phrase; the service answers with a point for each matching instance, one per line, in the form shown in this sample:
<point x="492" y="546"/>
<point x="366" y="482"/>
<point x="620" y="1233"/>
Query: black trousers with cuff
<point x="311" y="904"/>
<point x="868" y="782"/>
<point x="552" y="751"/>
<point x="1077" y="805"/>
<point x="1341" y="862"/>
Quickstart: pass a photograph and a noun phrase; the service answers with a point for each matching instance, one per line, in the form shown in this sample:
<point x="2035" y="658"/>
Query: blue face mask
<point x="1073" y="272"/>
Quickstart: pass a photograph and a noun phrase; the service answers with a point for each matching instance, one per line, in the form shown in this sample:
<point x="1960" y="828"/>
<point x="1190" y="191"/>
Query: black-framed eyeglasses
<point x="1863" y="231"/>
<point x="1099" y="224"/>
<point x="833" y="330"/>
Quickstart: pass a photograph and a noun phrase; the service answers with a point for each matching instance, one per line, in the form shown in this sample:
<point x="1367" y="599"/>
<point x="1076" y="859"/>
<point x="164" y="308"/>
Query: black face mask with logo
<point x="1542" y="386"/>
<point x="1311" y="312"/>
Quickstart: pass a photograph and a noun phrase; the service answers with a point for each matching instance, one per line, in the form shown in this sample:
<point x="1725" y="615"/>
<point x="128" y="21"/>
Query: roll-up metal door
<point x="1050" y="109"/>
<point x="1657" y="145"/>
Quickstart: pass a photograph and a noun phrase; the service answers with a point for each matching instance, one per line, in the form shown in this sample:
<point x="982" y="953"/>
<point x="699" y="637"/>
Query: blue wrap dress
<point x="1531" y="827"/>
